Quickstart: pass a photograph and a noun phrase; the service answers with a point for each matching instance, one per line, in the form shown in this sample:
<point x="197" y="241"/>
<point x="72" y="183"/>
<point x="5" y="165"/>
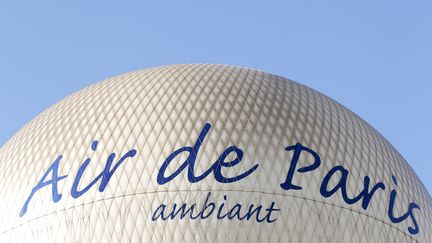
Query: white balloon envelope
<point x="206" y="153"/>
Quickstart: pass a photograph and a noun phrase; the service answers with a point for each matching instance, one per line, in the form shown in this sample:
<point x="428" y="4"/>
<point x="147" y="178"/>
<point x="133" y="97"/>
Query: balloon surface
<point x="206" y="153"/>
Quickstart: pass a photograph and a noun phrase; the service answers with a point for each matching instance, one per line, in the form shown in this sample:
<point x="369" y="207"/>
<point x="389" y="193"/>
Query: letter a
<point x="53" y="169"/>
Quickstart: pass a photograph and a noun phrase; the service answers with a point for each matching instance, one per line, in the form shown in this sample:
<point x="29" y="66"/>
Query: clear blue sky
<point x="375" y="57"/>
